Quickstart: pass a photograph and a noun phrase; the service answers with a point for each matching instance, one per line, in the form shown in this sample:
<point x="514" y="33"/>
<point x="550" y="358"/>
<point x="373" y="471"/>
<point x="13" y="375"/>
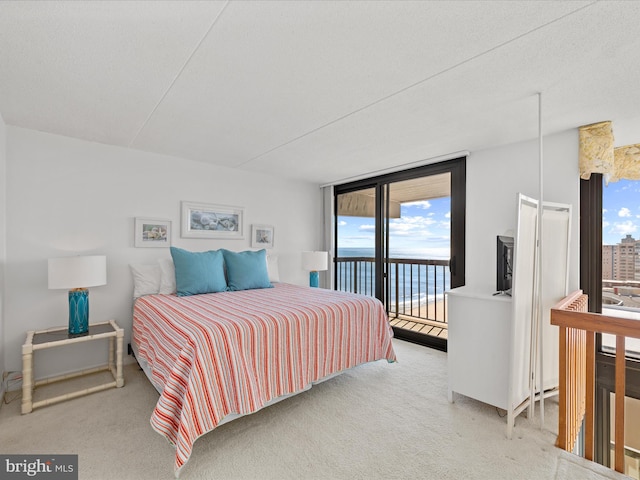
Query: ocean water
<point x="418" y="284"/>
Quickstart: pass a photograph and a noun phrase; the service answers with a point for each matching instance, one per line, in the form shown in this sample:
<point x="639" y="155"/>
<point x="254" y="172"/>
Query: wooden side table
<point x="59" y="336"/>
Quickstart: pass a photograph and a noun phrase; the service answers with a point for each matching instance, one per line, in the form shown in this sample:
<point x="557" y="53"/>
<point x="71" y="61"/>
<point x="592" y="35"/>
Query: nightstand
<point x="57" y="337"/>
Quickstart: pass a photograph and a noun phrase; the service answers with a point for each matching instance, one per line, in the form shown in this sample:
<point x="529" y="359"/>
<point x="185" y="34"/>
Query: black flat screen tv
<point x="504" y="264"/>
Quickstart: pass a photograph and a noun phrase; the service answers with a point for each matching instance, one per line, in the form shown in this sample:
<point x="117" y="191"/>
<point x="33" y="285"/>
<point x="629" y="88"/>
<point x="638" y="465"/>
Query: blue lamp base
<point x="78" y="312"/>
<point x="313" y="279"/>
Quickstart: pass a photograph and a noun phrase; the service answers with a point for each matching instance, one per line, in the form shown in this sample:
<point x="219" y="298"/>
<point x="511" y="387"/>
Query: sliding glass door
<point x="400" y="238"/>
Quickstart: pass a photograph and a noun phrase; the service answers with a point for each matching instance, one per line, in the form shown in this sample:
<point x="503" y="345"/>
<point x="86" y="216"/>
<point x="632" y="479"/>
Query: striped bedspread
<point x="232" y="352"/>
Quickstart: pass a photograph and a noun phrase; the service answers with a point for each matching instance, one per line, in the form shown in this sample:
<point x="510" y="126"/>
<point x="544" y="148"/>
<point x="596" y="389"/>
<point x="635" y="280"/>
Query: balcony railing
<point x="415" y="287"/>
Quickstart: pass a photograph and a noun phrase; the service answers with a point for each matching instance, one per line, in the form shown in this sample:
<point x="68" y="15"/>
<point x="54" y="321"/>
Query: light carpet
<point x="377" y="421"/>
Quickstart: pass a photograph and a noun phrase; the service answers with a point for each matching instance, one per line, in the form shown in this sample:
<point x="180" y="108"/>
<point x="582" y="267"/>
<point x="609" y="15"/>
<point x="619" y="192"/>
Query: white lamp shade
<point x="315" y="261"/>
<point x="78" y="272"/>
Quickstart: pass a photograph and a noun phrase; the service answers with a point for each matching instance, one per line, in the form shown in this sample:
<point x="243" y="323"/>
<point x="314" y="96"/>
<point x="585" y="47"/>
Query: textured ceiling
<point x="319" y="91"/>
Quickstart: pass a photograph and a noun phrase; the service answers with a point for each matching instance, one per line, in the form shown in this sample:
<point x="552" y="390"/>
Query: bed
<point x="217" y="356"/>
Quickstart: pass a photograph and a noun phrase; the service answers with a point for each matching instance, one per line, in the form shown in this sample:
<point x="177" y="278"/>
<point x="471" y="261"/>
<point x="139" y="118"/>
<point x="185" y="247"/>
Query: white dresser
<point x="478" y="345"/>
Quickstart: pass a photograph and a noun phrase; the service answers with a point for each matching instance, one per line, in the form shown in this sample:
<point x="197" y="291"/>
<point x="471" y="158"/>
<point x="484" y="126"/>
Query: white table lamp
<point x="76" y="274"/>
<point x="314" y="262"/>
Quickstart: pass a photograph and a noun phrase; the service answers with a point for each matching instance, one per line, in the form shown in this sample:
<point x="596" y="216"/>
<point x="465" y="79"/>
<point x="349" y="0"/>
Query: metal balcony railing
<point x="414" y="287"/>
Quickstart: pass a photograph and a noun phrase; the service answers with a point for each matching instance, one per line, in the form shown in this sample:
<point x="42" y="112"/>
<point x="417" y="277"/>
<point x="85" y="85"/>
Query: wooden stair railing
<point x="577" y="329"/>
<point x="574" y="379"/>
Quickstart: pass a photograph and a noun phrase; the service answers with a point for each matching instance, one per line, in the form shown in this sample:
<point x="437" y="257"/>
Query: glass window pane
<point x="621" y="256"/>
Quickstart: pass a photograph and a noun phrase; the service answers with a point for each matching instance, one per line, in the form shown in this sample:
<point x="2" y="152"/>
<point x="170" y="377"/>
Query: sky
<point x="423" y="230"/>
<point x="620" y="211"/>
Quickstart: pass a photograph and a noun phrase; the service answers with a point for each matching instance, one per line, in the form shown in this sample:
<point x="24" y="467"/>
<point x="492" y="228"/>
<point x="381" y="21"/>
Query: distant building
<point x="621" y="261"/>
<point x="608" y="259"/>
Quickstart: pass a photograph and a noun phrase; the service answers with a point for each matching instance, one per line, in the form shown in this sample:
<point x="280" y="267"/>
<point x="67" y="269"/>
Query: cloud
<point x="625" y="228"/>
<point x="411" y="223"/>
<point x="407" y="232"/>
<point x="415" y="220"/>
<point x="415" y="226"/>
<point x="624" y="212"/>
<point x="423" y="204"/>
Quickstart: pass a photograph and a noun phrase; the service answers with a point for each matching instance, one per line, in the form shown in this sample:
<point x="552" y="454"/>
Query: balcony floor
<point x="427" y="327"/>
<point x="423" y="319"/>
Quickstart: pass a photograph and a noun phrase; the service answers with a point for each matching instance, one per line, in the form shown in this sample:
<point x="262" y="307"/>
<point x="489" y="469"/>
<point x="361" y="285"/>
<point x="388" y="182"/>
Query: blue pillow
<point x="246" y="270"/>
<point x="198" y="272"/>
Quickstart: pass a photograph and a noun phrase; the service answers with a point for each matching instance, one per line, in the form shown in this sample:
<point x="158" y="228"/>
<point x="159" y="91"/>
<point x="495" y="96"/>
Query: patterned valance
<point x="596" y="149"/>
<point x="626" y="163"/>
<point x="597" y="154"/>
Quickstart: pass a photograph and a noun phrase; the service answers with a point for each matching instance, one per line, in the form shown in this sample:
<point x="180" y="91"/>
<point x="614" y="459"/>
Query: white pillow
<point x="272" y="268"/>
<point x="146" y="279"/>
<point x="167" y="277"/>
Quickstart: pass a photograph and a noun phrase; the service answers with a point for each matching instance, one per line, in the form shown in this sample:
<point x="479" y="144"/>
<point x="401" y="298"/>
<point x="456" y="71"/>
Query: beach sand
<point x="432" y="311"/>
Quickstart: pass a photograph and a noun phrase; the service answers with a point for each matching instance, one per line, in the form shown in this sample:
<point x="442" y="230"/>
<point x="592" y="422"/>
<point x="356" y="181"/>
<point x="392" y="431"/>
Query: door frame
<point x="457" y="168"/>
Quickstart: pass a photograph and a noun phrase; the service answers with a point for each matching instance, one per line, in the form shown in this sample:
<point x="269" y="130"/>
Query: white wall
<point x="494" y="179"/>
<point x="66" y="196"/>
<point x="3" y="251"/>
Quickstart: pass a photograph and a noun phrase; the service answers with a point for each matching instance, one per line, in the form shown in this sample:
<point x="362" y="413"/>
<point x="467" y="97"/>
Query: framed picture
<point x="152" y="232"/>
<point x="202" y="220"/>
<point x="261" y="236"/>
